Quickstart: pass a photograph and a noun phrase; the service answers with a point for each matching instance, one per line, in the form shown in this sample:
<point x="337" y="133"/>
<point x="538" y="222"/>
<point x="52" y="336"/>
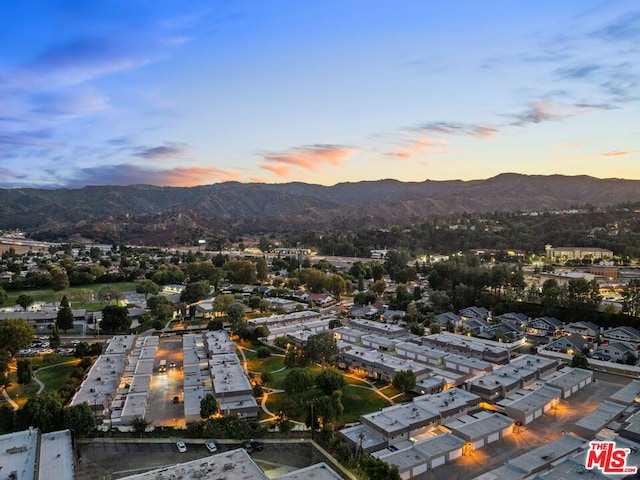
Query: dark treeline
<point x="616" y="228"/>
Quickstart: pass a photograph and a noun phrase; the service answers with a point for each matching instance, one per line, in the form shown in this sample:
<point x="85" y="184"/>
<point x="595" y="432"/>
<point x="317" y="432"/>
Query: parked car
<point x="252" y="445"/>
<point x="211" y="446"/>
<point x="181" y="446"/>
<point x="172" y="365"/>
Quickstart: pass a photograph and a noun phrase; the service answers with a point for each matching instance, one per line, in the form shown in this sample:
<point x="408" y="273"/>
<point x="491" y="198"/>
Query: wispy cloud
<point x="537" y="112"/>
<point x="456" y="128"/>
<point x="617" y="153"/>
<point x="167" y="151"/>
<point x="310" y="158"/>
<point x="68" y="104"/>
<point x="624" y="28"/>
<point x="422" y="147"/>
<point x="128" y="174"/>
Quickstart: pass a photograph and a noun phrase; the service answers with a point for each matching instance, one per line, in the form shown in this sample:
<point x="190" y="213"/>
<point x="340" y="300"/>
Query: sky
<point x="184" y="93"/>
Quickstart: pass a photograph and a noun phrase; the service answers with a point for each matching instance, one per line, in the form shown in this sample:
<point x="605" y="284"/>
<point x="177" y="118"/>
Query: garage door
<point x="464" y="369"/>
<point x="494" y="437"/>
<point x="529" y="419"/>
<point x="537" y="413"/>
<point x="420" y="469"/>
<point x="437" y="462"/>
<point x="546" y="407"/>
<point x="406" y="475"/>
<point x="455" y="453"/>
<point x="478" y="444"/>
<point x="567" y="393"/>
<point x="574" y="389"/>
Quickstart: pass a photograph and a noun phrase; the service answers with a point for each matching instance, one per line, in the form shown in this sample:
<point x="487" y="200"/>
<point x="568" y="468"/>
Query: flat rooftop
<point x="231" y="465"/>
<point x="628" y="395"/>
<point x="371" y="325"/>
<point x="319" y="471"/>
<point x="119" y="344"/>
<point x="18" y="453"/>
<point x="294" y="317"/>
<point x="102" y="380"/>
<point x="479" y="424"/>
<point x="567" y="377"/>
<point x="602" y="415"/>
<point x="56" y="456"/>
<point x="423" y="451"/>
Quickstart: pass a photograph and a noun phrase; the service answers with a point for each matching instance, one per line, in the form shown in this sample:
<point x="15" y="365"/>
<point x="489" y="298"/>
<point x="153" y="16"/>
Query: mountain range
<point x="177" y="215"/>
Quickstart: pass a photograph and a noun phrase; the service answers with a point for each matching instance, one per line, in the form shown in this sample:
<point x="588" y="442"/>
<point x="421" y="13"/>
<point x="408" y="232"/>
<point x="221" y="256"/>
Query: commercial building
<point x="588" y="427"/>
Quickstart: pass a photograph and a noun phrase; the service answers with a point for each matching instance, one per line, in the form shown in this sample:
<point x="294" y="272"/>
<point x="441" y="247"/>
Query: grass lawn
<point x="20" y="393"/>
<point x="355" y="381"/>
<point x="359" y="401"/>
<point x="390" y="390"/>
<point x="269" y="364"/>
<point x="48" y="295"/>
<point x="54" y="377"/>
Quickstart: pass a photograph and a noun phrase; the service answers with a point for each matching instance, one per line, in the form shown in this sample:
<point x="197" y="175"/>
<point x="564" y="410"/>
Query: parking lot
<point x="545" y="429"/>
<point x="106" y="459"/>
<point x="165" y="386"/>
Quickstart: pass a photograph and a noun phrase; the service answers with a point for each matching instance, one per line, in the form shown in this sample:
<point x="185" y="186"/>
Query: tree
<point x="261" y="332"/>
<point x="59" y="279"/>
<point x="579" y="361"/>
<point x="404" y="380"/>
<point x="320" y="348"/>
<point x="435" y="327"/>
<point x="5" y="359"/>
<point x="24" y="301"/>
<point x="25" y="371"/>
<point x="221" y="302"/>
<point x="64" y="318"/>
<point x="335" y="323"/>
<point x="266" y="378"/>
<point x="631" y="297"/>
<point x="378" y="287"/>
<point x="281" y="342"/>
<point x="235" y="314"/>
<point x="298" y="380"/>
<point x="82" y="350"/>
<point x="115" y="319"/>
<point x="139" y="425"/>
<point x="417" y="329"/>
<point x="147" y="287"/>
<point x="79" y="419"/>
<point x="208" y="406"/>
<point x="54" y="338"/>
<point x="215" y="324"/>
<point x="551" y="293"/>
<point x="108" y="293"/>
<point x="240" y="271"/>
<point x="3" y="296"/>
<point x="374" y="468"/>
<point x="330" y="380"/>
<point x="262" y="269"/>
<point x="44" y="412"/>
<point x="195" y="292"/>
<point x="15" y="334"/>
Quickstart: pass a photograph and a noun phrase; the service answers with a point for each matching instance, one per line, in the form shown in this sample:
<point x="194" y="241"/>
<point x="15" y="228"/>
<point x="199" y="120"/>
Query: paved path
<point x="9" y="399"/>
<point x="371" y="386"/>
<point x="44" y="368"/>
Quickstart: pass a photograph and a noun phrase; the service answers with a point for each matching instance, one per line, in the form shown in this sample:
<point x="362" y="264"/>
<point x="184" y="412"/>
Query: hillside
<point x="169" y="215"/>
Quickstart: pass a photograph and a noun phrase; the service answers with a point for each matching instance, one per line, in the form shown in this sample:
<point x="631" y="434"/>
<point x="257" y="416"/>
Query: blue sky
<point x="182" y="93"/>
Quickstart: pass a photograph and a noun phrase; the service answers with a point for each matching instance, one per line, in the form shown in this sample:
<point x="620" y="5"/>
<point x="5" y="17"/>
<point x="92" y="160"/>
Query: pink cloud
<point x="258" y="179"/>
<point x="307" y="158"/>
<point x="420" y="148"/>
<point x="618" y="153"/>
<point x="278" y="170"/>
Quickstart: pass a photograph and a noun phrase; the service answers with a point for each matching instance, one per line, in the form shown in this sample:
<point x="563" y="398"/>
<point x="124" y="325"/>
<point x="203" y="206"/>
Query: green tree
<point x="374" y="468"/>
<point x="579" y="361"/>
<point x="335" y="323"/>
<point x="404" y="380"/>
<point x="330" y="380"/>
<point x="631" y="297"/>
<point x="59" y="279"/>
<point x="139" y="425"/>
<point x="54" y="338"/>
<point x="3" y="296"/>
<point x="79" y="419"/>
<point x="195" y="292"/>
<point x="44" y="412"/>
<point x="261" y="332"/>
<point x="298" y="380"/>
<point x="15" y="334"/>
<point x="147" y="287"/>
<point x="208" y="406"/>
<point x="24" y="301"/>
<point x="551" y="293"/>
<point x="64" y="318"/>
<point x="262" y="269"/>
<point x="5" y="359"/>
<point x="416" y="328"/>
<point x="221" y="302"/>
<point x="281" y="342"/>
<point x="25" y="371"/>
<point x="115" y="319"/>
<point x="240" y="271"/>
<point x="320" y="348"/>
<point x="235" y="314"/>
<point x="378" y="287"/>
<point x="435" y="327"/>
<point x="108" y="293"/>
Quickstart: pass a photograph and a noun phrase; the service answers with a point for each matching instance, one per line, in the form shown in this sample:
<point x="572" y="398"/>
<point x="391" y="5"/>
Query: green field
<point x="269" y="364"/>
<point x="359" y="401"/>
<point x="49" y="296"/>
<point x="54" y="377"/>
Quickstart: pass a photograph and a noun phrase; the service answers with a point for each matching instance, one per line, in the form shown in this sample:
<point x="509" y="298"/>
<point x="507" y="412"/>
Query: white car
<point x="211" y="446"/>
<point x="181" y="446"/>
